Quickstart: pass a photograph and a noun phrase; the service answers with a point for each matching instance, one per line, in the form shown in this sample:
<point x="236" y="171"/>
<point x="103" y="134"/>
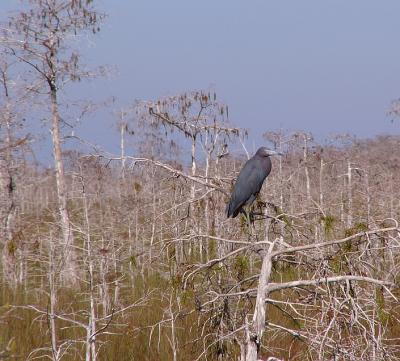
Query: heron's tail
<point x="228" y="210"/>
<point x="231" y="211"/>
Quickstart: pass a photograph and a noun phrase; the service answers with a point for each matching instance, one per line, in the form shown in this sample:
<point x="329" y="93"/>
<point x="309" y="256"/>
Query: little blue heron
<point x="250" y="181"/>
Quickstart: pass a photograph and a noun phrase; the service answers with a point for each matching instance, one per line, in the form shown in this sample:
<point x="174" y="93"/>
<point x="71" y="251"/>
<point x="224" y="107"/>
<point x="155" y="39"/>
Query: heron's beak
<point x="272" y="152"/>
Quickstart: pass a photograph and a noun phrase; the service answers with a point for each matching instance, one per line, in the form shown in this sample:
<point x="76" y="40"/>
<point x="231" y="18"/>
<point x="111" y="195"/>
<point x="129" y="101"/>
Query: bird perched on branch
<point x="250" y="181"/>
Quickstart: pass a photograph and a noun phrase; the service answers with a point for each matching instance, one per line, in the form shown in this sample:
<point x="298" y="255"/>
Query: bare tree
<point x="11" y="143"/>
<point x="40" y="37"/>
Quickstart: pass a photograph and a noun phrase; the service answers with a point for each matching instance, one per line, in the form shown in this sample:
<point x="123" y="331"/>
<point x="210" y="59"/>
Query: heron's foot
<point x="261" y="204"/>
<point x="258" y="216"/>
<point x="273" y="206"/>
<point x="251" y="217"/>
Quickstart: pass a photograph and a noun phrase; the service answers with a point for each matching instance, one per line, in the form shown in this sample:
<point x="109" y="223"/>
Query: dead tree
<point x="40" y="39"/>
<point x="11" y="110"/>
<point x="202" y="120"/>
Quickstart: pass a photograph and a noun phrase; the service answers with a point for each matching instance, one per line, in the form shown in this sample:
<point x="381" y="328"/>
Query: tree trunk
<point x="349" y="196"/>
<point x="321" y="189"/>
<point x="255" y="330"/>
<point x="91" y="326"/>
<point x="305" y="157"/>
<point x="122" y="146"/>
<point x="193" y="167"/>
<point x="69" y="273"/>
<point x="6" y="209"/>
<point x="7" y="206"/>
<point x="53" y="301"/>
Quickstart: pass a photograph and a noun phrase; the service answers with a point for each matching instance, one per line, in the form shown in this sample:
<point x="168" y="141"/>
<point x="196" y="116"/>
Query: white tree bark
<point x="7" y="202"/>
<point x="255" y="331"/>
<point x="305" y="156"/>
<point x="349" y="196"/>
<point x="69" y="273"/>
<point x="53" y="302"/>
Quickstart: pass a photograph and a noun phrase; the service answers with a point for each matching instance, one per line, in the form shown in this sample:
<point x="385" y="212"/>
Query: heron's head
<point x="265" y="152"/>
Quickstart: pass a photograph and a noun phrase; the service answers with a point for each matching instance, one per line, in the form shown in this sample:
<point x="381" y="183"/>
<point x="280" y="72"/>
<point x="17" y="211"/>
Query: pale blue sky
<point x="319" y="66"/>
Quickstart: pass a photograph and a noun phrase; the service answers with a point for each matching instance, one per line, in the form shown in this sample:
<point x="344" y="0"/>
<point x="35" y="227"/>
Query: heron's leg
<point x="261" y="214"/>
<point x="249" y="219"/>
<point x="247" y="216"/>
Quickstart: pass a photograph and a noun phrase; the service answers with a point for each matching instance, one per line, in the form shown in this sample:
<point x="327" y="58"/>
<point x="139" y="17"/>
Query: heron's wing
<point x="248" y="184"/>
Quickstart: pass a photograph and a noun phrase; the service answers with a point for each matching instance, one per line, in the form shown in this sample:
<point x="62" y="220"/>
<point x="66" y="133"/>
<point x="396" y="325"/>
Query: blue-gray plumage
<point x="250" y="181"/>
